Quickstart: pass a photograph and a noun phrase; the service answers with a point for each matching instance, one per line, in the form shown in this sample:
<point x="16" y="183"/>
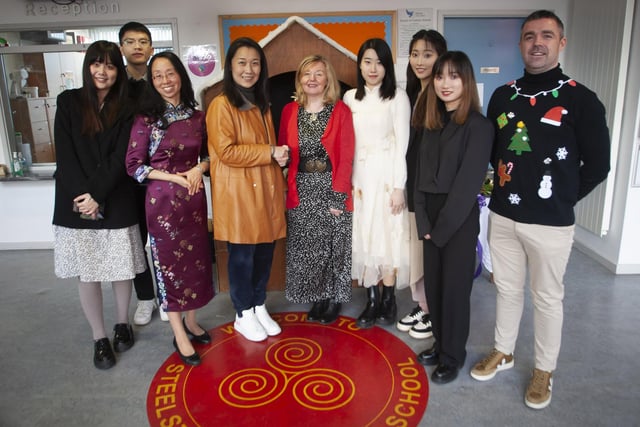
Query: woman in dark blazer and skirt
<point x="95" y="224"/>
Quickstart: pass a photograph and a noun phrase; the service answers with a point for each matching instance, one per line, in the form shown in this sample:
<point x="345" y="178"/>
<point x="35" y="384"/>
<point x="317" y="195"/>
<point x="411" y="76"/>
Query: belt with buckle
<point x="308" y="165"/>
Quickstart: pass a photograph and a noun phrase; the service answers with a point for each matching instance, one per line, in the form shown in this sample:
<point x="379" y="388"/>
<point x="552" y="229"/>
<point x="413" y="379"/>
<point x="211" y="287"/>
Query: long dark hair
<point x="388" y="86"/>
<point x="438" y="43"/>
<point x="96" y="118"/>
<point x="261" y="88"/>
<point x="452" y="62"/>
<point x="417" y="98"/>
<point x="153" y="105"/>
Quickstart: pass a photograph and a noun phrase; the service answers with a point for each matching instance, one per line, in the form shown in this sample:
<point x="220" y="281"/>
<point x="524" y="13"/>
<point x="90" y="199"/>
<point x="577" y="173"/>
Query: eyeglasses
<point x="141" y="42"/>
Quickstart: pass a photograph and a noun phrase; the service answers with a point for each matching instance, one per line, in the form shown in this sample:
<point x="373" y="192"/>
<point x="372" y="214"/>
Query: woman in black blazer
<point x="96" y="235"/>
<point x="453" y="159"/>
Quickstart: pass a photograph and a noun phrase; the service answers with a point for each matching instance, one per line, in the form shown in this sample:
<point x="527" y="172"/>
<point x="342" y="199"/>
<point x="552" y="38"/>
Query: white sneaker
<point x="270" y="326"/>
<point x="422" y="330"/>
<point x="144" y="311"/>
<point x="163" y="315"/>
<point x="249" y="327"/>
<point x="407" y="322"/>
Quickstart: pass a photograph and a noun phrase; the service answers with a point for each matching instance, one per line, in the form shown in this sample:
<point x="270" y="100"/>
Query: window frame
<point x="7" y="129"/>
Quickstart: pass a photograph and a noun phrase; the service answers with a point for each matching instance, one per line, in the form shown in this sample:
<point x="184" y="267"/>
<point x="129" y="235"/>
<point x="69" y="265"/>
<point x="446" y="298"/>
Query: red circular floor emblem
<point x="309" y="375"/>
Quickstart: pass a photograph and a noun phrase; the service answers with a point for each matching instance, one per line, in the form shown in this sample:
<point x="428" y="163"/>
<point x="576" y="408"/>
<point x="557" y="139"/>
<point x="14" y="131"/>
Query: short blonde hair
<point x="331" y="92"/>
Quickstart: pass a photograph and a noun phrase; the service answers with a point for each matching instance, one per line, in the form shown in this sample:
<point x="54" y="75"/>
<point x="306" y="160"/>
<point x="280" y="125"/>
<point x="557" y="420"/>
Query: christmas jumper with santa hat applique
<point x="551" y="149"/>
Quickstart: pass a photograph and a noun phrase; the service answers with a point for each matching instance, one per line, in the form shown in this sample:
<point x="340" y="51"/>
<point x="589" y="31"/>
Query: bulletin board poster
<point x="410" y="21"/>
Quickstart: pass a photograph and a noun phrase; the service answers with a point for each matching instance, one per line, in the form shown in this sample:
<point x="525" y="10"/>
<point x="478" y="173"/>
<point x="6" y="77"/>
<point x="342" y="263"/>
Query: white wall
<point x="198" y="24"/>
<point x="619" y="250"/>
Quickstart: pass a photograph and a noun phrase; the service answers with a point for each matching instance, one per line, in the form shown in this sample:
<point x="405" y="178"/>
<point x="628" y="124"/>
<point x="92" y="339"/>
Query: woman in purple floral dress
<point x="168" y="150"/>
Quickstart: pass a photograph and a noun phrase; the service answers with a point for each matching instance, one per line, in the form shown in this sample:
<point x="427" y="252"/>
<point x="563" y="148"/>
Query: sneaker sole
<point x="257" y="339"/>
<point x="402" y="327"/>
<point x="139" y="322"/>
<point x="420" y="335"/>
<point x="487" y="377"/>
<point x="540" y="405"/>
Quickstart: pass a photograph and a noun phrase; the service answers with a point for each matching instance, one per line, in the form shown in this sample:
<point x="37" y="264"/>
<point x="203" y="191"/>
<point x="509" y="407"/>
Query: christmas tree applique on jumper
<point x="520" y="139"/>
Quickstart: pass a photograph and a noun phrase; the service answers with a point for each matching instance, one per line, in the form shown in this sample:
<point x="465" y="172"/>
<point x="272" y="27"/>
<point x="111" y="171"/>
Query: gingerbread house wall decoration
<point x="285" y="47"/>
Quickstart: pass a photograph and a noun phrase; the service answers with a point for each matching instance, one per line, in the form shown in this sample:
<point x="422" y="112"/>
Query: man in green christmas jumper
<point x="551" y="149"/>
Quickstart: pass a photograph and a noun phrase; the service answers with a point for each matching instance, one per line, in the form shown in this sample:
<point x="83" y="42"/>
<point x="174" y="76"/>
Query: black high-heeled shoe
<point x="203" y="338"/>
<point x="193" y="360"/>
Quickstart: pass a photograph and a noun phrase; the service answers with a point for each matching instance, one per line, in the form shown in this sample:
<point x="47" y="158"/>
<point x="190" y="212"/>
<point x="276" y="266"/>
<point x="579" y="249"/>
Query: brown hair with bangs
<point x="331" y="92"/>
<point x="452" y="62"/>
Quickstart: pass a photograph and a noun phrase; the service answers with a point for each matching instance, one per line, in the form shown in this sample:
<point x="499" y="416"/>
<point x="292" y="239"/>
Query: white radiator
<point x="598" y="40"/>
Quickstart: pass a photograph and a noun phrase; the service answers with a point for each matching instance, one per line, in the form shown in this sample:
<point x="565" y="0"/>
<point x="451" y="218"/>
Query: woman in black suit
<point x="452" y="163"/>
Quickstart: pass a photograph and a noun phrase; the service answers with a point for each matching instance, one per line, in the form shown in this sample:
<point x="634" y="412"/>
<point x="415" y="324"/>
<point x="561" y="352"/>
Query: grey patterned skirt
<point x="98" y="255"/>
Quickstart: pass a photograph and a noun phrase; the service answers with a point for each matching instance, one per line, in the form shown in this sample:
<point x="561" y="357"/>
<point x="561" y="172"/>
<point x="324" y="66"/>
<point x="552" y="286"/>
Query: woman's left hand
<point x="397" y="201"/>
<point x="335" y="212"/>
<point x="194" y="179"/>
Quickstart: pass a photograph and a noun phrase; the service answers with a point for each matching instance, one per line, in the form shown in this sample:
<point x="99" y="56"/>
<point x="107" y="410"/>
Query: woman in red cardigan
<point x="318" y="129"/>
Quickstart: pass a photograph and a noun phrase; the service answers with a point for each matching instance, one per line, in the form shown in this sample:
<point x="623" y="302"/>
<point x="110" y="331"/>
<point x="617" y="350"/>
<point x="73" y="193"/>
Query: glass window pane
<point x="36" y="66"/>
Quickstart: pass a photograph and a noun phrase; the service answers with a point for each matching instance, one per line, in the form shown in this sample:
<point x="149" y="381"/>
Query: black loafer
<point x="122" y="337"/>
<point x="444" y="374"/>
<point x="429" y="357"/>
<point x="331" y="313"/>
<point x="203" y="338"/>
<point x="103" y="357"/>
<point x="317" y="309"/>
<point x="193" y="359"/>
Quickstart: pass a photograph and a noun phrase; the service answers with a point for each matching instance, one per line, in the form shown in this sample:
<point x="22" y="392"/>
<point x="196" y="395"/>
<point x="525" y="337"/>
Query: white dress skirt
<point x="380" y="245"/>
<point x="102" y="255"/>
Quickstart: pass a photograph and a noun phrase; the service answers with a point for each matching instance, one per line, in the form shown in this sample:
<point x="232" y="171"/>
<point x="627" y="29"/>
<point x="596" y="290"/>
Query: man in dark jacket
<point x="136" y="47"/>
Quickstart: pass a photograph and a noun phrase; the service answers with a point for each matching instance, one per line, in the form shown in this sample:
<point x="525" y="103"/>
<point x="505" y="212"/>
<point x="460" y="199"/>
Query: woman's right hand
<point x="194" y="179"/>
<point x="87" y="205"/>
<point x="281" y="154"/>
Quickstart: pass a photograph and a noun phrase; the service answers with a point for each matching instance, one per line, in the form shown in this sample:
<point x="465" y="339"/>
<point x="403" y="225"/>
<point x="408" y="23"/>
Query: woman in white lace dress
<point x="381" y="116"/>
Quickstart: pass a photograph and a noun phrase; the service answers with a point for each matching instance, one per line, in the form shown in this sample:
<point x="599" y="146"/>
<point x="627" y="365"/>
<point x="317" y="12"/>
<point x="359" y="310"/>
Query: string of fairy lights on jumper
<point x="532" y="98"/>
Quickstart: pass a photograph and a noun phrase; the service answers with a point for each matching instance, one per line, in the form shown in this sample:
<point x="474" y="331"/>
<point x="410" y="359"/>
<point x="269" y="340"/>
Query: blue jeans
<point x="249" y="270"/>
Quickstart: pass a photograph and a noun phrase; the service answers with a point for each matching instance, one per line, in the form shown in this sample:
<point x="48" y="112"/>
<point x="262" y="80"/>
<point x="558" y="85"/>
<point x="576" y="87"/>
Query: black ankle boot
<point x="331" y="313"/>
<point x="368" y="317"/>
<point x="318" y="308"/>
<point x="388" y="309"/>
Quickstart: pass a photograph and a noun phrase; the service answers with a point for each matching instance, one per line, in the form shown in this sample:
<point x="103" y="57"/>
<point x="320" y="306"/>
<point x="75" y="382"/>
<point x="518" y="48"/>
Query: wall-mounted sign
<point x="489" y="70"/>
<point x="201" y="59"/>
<point x="410" y="21"/>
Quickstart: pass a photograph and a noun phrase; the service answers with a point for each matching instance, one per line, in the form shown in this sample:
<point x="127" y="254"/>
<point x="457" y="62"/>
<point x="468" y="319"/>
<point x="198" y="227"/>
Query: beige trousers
<point x="544" y="251"/>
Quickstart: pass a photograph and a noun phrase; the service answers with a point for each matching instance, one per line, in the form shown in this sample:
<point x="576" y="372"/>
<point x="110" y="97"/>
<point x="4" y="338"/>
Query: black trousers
<point x="143" y="282"/>
<point x="448" y="277"/>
